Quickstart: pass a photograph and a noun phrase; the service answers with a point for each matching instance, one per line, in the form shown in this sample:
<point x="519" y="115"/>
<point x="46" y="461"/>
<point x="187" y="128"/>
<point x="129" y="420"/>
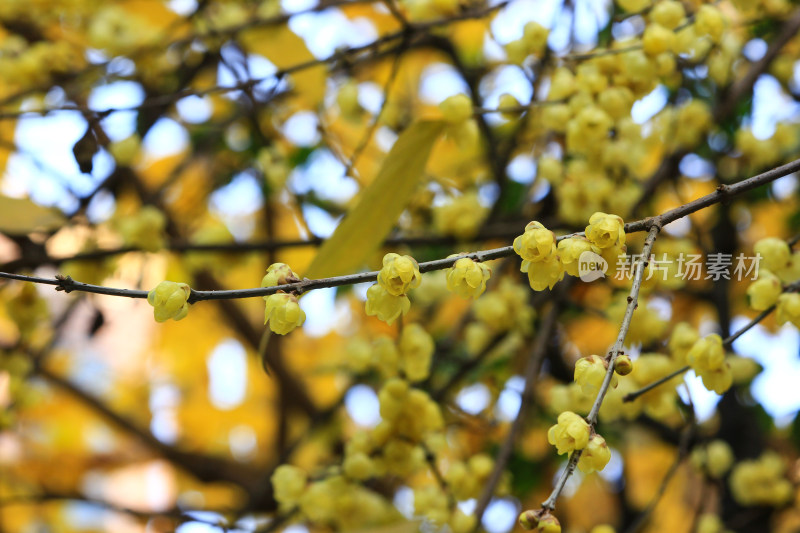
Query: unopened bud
<point x="623" y="365"/>
<point x="528" y="520"/>
<point x="541" y="520"/>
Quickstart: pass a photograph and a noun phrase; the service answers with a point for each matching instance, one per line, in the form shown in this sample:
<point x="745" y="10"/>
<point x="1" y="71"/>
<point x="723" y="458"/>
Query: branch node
<point x="66" y="284"/>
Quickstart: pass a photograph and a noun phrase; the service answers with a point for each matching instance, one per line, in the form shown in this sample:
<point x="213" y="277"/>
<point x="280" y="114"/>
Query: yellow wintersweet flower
<point x="760" y="481"/>
<point x="416" y="350"/>
<point x="789" y="308"/>
<point x="719" y="379"/>
<point x="595" y="456"/>
<point x="681" y="341"/>
<point x="278" y="274"/>
<point x="283" y="313"/>
<point x="385" y="305"/>
<point x="569" y="434"/>
<point x="589" y="374"/>
<point x="169" y="300"/>
<point x="707" y="359"/>
<point x="399" y="274"/>
<point x="536" y="244"/>
<point x="468" y="278"/>
<point x="706" y="354"/>
<point x="715" y="458"/>
<point x="544" y="274"/>
<point x="143" y="230"/>
<point x="775" y="253"/>
<point x="570" y="250"/>
<point x="289" y="484"/>
<point x="605" y="231"/>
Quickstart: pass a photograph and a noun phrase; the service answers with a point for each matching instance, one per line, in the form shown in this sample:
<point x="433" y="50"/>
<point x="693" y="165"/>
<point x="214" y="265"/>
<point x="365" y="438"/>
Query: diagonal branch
<point x="726" y="343"/>
<point x="205" y="468"/>
<point x="723" y="192"/>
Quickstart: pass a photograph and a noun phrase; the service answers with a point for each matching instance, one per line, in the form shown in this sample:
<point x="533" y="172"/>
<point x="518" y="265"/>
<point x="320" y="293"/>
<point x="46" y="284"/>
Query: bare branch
<point x="726" y="343"/>
<point x="633" y="302"/>
<point x="723" y="192"/>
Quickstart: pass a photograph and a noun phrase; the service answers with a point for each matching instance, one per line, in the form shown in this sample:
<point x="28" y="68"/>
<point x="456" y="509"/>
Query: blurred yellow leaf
<point x="363" y="229"/>
<point x="20" y="215"/>
<point x="286" y="50"/>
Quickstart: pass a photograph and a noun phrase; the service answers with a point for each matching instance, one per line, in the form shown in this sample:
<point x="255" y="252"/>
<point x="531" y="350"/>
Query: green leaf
<point x="19" y="216"/>
<point x="381" y="203"/>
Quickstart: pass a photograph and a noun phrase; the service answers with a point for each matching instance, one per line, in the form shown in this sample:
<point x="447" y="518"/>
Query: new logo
<point x="591" y="266"/>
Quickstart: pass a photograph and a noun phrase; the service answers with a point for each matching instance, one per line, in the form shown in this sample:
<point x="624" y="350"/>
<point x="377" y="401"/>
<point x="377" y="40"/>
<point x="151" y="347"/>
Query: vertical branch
<point x="633" y="303"/>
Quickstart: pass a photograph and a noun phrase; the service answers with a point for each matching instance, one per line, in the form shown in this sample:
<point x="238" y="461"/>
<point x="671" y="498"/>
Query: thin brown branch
<point x="633" y="302"/>
<point x="726" y="343"/>
<point x="345" y="56"/>
<point x="723" y="192"/>
<point x="744" y="86"/>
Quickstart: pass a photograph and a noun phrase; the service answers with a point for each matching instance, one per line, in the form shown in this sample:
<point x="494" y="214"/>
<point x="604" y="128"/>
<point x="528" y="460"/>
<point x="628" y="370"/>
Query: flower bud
<point x="789" y="309"/>
<point x="595" y="456"/>
<point x="569" y="434"/>
<point x="283" y="313"/>
<point x="623" y="365"/>
<point x="399" y="274"/>
<point x="541" y="520"/>
<point x="468" y="278"/>
<point x="774" y="252"/>
<point x="278" y="274"/>
<point x="169" y="300"/>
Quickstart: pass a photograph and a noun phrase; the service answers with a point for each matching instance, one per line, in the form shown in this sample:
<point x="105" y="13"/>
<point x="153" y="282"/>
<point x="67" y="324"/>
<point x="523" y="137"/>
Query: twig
<point x="745" y="85"/>
<point x="726" y="343"/>
<point x="723" y="192"/>
<point x="633" y="299"/>
<point x="495" y="231"/>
